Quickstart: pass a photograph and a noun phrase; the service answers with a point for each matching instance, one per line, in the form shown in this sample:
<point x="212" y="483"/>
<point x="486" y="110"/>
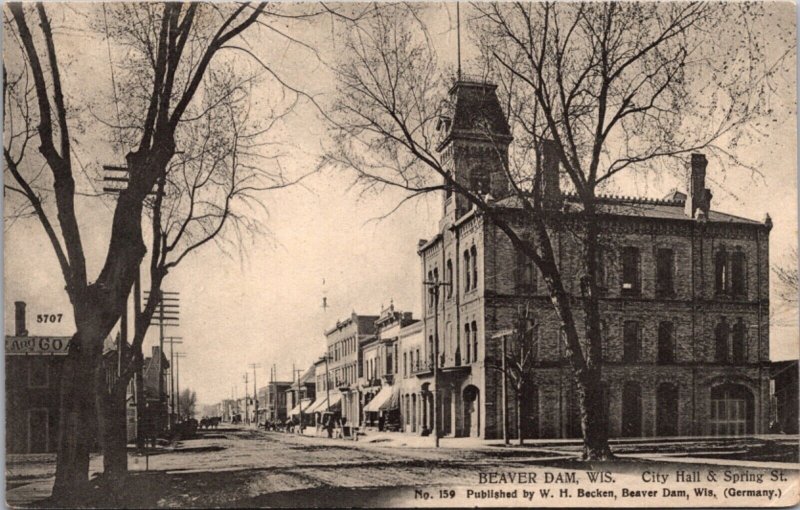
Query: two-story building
<point x="33" y="378"/>
<point x="685" y="301"/>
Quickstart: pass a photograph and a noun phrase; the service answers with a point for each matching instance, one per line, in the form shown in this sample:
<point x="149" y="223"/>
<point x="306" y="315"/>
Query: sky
<point x="266" y="307"/>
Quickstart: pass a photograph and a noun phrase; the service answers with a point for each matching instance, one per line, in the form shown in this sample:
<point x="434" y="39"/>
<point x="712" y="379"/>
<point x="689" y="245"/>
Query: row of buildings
<point x="33" y="379"/>
<point x="685" y="307"/>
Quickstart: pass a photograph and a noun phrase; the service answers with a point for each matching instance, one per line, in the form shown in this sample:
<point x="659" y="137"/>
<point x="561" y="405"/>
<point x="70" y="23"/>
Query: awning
<point x="304" y="404"/>
<point x="321" y="404"/>
<point x="386" y="399"/>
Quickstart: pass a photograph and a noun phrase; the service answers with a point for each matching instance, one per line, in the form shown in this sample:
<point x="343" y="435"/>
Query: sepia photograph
<point x="426" y="254"/>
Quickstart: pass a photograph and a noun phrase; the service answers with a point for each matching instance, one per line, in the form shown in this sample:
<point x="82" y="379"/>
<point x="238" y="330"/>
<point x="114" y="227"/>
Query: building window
<point x="415" y="360"/>
<point x="449" y="278"/>
<point x="721" y="341"/>
<point x="601" y="273"/>
<point x="430" y="294"/>
<point x="666" y="343"/>
<point x="38" y="372"/>
<point x="739" y="342"/>
<point x="526" y="274"/>
<point x="721" y="271"/>
<point x="405" y="364"/>
<point x="667" y="410"/>
<point x="474" y="253"/>
<point x="474" y="340"/>
<point x="467" y="276"/>
<point x="664" y="273"/>
<point x="631" y="348"/>
<point x="738" y="274"/>
<point x="430" y="349"/>
<point x="631" y="410"/>
<point x="467" y="341"/>
<point x="630" y="271"/>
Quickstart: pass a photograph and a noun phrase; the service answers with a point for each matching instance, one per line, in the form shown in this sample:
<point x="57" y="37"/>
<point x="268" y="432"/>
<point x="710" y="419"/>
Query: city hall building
<point x="685" y="304"/>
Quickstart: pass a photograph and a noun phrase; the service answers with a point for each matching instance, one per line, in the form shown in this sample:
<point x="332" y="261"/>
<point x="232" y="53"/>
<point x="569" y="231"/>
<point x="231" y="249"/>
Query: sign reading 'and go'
<point x="36" y="345"/>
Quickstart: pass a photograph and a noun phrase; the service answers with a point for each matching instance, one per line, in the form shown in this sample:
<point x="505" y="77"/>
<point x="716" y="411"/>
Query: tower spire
<point x="458" y="37"/>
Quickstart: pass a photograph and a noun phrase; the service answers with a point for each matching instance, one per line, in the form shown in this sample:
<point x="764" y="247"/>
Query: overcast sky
<point x="267" y="307"/>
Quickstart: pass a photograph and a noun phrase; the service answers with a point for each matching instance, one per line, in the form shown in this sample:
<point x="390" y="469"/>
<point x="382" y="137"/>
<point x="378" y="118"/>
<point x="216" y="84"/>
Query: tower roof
<point x="474" y="110"/>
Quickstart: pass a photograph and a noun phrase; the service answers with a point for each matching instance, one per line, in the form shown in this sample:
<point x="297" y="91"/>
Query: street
<point x="240" y="467"/>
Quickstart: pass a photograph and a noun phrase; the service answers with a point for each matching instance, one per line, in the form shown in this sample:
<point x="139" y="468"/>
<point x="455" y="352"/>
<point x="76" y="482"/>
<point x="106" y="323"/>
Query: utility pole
<point x="327" y="383"/>
<point x="173" y="399"/>
<point x="178" y="356"/>
<point x="168" y="310"/>
<point x="434" y="287"/>
<point x="255" y="392"/>
<point x="300" y="399"/>
<point x="246" y="415"/>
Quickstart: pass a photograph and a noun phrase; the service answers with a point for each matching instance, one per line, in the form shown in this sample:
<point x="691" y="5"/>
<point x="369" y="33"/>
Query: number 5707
<point x="53" y="317"/>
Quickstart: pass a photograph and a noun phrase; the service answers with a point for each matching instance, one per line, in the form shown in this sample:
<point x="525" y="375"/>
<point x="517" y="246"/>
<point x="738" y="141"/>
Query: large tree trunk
<point x="590" y="389"/>
<point x="76" y="421"/>
<point x="593" y="420"/>
<point x="139" y="396"/>
<point x="112" y="429"/>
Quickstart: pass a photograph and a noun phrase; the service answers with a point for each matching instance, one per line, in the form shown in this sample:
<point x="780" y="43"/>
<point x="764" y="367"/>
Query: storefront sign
<point x="20" y="345"/>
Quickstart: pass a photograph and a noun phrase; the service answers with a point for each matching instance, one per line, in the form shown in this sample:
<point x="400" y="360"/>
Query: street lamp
<point x="433" y="289"/>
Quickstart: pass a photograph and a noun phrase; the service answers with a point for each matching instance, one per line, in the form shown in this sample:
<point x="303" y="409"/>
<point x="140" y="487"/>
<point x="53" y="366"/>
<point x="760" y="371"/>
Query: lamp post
<point x="434" y="286"/>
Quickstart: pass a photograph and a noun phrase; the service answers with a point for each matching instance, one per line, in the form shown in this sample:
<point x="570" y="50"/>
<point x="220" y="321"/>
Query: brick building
<point x="685" y="301"/>
<point x="272" y="401"/>
<point x="33" y="376"/>
<point x="344" y="361"/>
<point x="380" y="396"/>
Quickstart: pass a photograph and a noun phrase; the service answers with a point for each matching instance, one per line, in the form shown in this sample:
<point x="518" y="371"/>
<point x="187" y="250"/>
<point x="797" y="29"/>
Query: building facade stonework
<point x="685" y="303"/>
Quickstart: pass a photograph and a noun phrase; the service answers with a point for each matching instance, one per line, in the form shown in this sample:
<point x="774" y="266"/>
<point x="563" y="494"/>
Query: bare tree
<point x="187" y="102"/>
<point x="518" y="362"/>
<point x="786" y="274"/>
<point x="602" y="87"/>
<point x="188" y="404"/>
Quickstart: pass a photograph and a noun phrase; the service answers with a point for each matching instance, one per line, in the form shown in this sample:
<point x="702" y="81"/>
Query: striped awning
<point x="386" y="399"/>
<point x="321" y="404"/>
<point x="304" y="404"/>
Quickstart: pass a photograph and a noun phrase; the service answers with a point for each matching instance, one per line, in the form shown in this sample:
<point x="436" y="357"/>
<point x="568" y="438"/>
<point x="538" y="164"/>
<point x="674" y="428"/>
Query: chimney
<point x="698" y="196"/>
<point x="19" y="319"/>
<point x="551" y="186"/>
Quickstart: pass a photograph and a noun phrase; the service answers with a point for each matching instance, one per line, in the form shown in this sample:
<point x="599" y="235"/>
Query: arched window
<point x="721" y="271"/>
<point x="467" y="267"/>
<point x="631" y="347"/>
<point x="631" y="410"/>
<point x="631" y="282"/>
<point x="666" y="343"/>
<point x="449" y="278"/>
<point x="474" y="253"/>
<point x="721" y="341"/>
<point x="474" y="340"/>
<point x="732" y="410"/>
<point x="738" y="273"/>
<point x="430" y="294"/>
<point x="526" y="274"/>
<point x="467" y="341"/>
<point x="739" y="342"/>
<point x="667" y="410"/>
